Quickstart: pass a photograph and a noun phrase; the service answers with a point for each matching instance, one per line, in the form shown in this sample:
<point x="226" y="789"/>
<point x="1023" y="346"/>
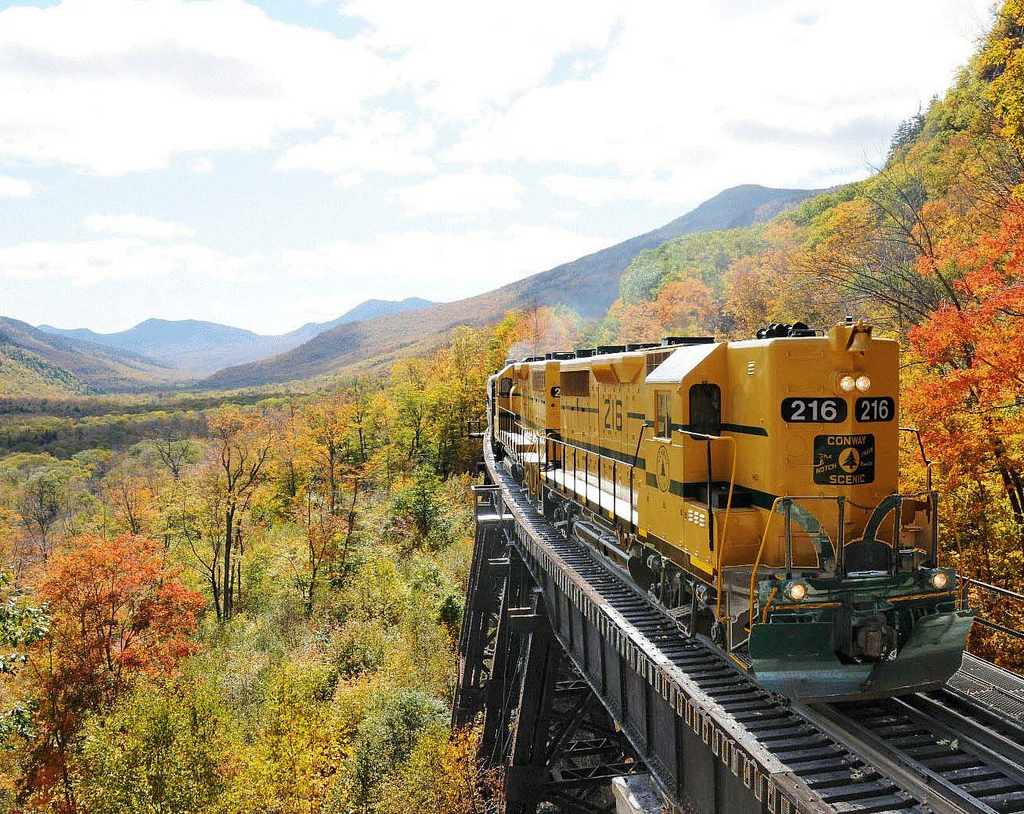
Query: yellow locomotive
<point x="752" y="488"/>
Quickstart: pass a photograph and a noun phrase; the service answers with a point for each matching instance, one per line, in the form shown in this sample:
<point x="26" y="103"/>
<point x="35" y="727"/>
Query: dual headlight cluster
<point x="797" y="591"/>
<point x="850" y="383"/>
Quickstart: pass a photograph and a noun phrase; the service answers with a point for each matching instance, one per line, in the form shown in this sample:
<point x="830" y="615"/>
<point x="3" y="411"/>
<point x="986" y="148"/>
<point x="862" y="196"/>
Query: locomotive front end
<point x="846" y="596"/>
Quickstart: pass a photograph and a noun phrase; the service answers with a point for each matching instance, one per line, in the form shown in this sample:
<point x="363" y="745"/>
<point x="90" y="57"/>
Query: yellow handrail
<point x="760" y="551"/>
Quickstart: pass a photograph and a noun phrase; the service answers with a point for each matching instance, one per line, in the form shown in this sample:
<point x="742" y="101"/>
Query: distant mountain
<point x="370" y="309"/>
<point x="200" y="347"/>
<point x="589" y="285"/>
<point x="34" y="363"/>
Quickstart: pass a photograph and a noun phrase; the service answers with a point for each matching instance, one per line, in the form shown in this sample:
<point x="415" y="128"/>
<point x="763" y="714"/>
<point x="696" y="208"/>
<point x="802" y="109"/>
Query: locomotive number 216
<point x="613" y="413"/>
<point x="814" y="411"/>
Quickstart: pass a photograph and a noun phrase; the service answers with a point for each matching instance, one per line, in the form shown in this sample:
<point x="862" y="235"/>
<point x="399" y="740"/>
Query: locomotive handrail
<point x="788" y="501"/>
<point x="996" y="589"/>
<point x="757" y="559"/>
<point x="924" y="458"/>
<point x="615" y="463"/>
<point x="509" y="425"/>
<point x="511" y="420"/>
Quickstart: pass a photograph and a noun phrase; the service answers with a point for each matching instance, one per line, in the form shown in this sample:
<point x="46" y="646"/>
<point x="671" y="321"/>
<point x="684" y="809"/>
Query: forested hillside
<point x="231" y="605"/>
<point x="33" y="363"/>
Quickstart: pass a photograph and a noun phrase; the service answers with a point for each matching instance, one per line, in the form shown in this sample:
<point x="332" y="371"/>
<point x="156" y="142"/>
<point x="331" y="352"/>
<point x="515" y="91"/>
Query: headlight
<point x="847" y="383"/>
<point x="863" y="384"/>
<point x="797" y="591"/>
<point x="939" y="580"/>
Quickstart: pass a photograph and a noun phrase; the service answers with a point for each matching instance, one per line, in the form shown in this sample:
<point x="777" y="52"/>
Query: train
<point x="752" y="489"/>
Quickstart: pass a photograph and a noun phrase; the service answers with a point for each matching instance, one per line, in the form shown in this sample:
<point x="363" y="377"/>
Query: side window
<point x="663" y="426"/>
<point x="706" y="408"/>
<point x="506" y="388"/>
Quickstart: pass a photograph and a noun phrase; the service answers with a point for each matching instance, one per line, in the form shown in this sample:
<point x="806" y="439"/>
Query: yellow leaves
<point x="442" y="776"/>
<point x="540" y="330"/>
<point x="1003" y="60"/>
<point x="752" y="289"/>
<point x="289" y="764"/>
<point x="682" y="307"/>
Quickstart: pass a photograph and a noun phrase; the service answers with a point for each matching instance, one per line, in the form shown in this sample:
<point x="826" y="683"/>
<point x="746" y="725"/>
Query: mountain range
<point x="35" y="363"/>
<point x="197" y="348"/>
<point x="162" y="353"/>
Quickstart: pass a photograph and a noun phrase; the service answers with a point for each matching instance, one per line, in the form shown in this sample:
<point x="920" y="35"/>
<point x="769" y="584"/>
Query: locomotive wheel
<point x="641" y="573"/>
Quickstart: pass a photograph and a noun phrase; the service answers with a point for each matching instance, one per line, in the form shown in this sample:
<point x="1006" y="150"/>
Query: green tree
<point x="164" y="749"/>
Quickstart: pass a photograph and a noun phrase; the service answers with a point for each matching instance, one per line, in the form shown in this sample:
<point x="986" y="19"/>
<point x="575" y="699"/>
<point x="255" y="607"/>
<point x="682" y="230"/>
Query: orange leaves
<point x="682" y="307"/>
<point x="117" y="608"/>
<point x="966" y="394"/>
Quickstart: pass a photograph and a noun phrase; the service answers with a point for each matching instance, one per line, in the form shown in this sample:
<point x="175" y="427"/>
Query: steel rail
<point x="945" y="758"/>
<point x="937" y="793"/>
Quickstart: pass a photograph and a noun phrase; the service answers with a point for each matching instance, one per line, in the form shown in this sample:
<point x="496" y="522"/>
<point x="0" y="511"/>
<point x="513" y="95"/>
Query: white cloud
<point x="435" y="265"/>
<point x="14" y="187"/>
<point x="383" y="142"/>
<point x="693" y="97"/>
<point x="122" y="258"/>
<point x="589" y="190"/>
<point x="202" y="165"/>
<point x="466" y="56"/>
<point x="471" y="192"/>
<point x="120" y="85"/>
<point x="438" y="265"/>
<point x="133" y="225"/>
<point x="347" y="180"/>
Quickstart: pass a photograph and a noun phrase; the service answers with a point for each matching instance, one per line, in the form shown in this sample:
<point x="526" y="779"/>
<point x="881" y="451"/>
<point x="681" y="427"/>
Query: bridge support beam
<point x="541" y="722"/>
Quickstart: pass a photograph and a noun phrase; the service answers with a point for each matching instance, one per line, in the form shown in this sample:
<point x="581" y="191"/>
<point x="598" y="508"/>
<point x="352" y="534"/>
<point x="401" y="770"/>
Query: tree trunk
<point x="228" y="574"/>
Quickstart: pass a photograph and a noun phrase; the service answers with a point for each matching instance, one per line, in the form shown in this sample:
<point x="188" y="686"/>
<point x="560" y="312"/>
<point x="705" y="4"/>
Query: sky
<point x="266" y="164"/>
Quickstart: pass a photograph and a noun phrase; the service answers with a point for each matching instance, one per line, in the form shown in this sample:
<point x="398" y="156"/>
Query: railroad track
<point x="940" y="753"/>
<point x="952" y="756"/>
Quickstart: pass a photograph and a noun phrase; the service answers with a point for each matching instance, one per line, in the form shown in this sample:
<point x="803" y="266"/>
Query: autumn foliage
<point x="972" y="349"/>
<point x="117" y="610"/>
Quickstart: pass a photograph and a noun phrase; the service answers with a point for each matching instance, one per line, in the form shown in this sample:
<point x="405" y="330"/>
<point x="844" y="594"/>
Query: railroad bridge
<point x="580" y="678"/>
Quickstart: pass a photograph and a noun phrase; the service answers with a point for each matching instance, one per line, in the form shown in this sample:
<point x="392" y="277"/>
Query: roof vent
<point x="686" y="340"/>
<point x="584" y="353"/>
<point x="563" y="354"/>
<point x="780" y="330"/>
<point x="610" y="348"/>
<point x="631" y="346"/>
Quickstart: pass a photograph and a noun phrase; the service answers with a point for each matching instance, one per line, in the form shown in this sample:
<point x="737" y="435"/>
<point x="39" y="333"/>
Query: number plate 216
<point x="814" y="410"/>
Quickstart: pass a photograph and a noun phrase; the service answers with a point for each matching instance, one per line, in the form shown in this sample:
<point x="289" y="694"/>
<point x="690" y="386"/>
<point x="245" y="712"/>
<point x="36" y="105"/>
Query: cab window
<point x="663" y="427"/>
<point x="706" y="409"/>
<point x="506" y="388"/>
